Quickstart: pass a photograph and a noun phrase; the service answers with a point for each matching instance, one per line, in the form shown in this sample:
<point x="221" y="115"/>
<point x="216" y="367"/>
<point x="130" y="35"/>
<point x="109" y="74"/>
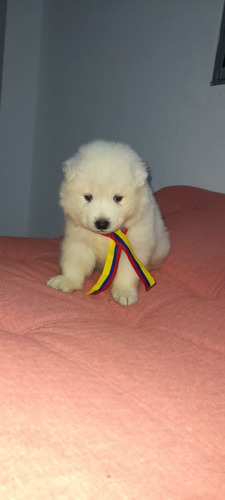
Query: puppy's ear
<point x="140" y="175"/>
<point x="68" y="169"/>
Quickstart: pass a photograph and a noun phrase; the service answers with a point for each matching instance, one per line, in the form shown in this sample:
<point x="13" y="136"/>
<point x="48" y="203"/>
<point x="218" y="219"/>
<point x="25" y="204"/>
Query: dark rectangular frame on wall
<point x="3" y="9"/>
<point x="219" y="67"/>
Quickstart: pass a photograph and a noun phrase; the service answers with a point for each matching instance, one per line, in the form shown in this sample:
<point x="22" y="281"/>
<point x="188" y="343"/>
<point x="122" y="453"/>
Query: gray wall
<point x="17" y="113"/>
<point x="137" y="71"/>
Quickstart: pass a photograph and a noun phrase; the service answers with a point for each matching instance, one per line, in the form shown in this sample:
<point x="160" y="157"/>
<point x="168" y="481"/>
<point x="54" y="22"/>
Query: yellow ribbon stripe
<point x="118" y="242"/>
<point x="106" y="270"/>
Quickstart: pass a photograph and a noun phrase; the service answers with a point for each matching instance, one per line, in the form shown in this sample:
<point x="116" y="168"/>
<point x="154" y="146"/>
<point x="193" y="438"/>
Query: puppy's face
<point x="103" y="187"/>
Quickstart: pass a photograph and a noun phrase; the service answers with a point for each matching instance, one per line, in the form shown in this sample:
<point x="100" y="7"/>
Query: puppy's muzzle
<point x="102" y="224"/>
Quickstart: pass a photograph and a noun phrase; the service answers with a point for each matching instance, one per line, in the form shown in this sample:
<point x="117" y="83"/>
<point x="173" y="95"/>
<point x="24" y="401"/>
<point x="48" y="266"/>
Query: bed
<point x="101" y="402"/>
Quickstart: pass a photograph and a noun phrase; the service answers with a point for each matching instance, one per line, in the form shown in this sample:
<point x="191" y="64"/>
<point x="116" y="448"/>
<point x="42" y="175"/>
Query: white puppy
<point x="105" y="188"/>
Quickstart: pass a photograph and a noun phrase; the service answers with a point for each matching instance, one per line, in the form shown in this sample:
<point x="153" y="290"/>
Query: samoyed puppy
<point x="105" y="188"/>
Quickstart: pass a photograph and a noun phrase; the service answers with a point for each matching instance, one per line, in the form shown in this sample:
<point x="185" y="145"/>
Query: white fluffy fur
<point x="105" y="170"/>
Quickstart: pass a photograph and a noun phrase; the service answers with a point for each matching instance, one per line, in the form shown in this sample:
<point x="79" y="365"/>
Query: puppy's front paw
<point x="125" y="297"/>
<point x="62" y="283"/>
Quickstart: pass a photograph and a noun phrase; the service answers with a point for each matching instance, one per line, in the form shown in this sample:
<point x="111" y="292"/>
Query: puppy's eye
<point x="88" y="197"/>
<point x="117" y="198"/>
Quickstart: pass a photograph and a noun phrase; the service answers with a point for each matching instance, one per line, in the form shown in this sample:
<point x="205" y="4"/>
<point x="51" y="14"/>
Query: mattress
<point x="102" y="402"/>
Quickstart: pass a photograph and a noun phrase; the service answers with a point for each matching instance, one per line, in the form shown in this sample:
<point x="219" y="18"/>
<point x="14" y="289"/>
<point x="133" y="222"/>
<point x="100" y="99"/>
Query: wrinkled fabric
<point x="101" y="402"/>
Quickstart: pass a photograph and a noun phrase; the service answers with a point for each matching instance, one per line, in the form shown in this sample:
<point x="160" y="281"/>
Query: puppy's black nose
<point x="102" y="224"/>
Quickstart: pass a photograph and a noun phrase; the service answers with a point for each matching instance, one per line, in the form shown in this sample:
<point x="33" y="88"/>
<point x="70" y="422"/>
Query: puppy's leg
<point x="125" y="284"/>
<point x="160" y="253"/>
<point x="77" y="262"/>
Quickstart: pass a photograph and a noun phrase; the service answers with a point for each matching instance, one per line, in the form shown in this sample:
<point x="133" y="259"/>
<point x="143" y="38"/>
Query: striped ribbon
<point x="119" y="242"/>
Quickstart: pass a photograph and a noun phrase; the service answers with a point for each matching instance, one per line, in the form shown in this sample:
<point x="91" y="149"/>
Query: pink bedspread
<point x="101" y="402"/>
